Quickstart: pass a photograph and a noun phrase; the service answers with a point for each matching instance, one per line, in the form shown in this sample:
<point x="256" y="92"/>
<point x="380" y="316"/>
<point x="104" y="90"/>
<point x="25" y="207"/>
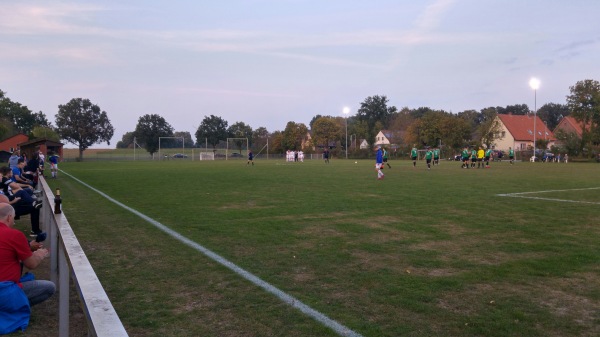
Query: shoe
<point x="37" y="204"/>
<point x="33" y="234"/>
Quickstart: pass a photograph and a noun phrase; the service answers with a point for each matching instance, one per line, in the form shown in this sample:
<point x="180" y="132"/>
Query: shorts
<point x="473" y="160"/>
<point x="378" y="166"/>
<point x="54" y="166"/>
<point x="428" y="161"/>
<point x="385" y="160"/>
<point x="487" y="158"/>
<point x="414" y="158"/>
<point x="511" y="157"/>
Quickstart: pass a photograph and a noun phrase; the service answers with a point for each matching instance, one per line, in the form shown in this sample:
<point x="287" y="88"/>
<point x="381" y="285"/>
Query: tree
<point x="45" y="132"/>
<point x="584" y="103"/>
<point x="149" y="129"/>
<point x="517" y="109"/>
<point x="82" y="123"/>
<point x="188" y="142"/>
<point x="212" y="129"/>
<point x="21" y="119"/>
<point x="126" y="141"/>
<point x="293" y="135"/>
<point x="552" y="113"/>
<point x="260" y="137"/>
<point x="324" y="130"/>
<point x="488" y="128"/>
<point x="240" y="130"/>
<point x="372" y="110"/>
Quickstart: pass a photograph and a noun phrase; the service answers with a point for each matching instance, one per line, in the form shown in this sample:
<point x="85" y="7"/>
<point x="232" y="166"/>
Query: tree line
<point x="83" y="123"/>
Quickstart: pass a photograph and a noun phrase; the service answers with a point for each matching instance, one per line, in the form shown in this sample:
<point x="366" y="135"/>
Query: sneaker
<point x="37" y="204"/>
<point x="33" y="234"/>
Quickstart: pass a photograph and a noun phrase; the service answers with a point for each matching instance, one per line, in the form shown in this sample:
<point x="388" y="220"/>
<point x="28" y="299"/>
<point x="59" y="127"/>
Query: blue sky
<point x="268" y="62"/>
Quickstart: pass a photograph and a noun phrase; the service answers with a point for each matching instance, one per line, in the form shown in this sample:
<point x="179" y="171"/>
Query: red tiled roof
<point x="521" y="127"/>
<point x="573" y="125"/>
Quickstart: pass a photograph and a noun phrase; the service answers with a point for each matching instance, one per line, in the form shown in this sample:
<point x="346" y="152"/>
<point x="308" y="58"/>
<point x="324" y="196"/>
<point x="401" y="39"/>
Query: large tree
<point x="324" y="130"/>
<point x="293" y="135"/>
<point x="584" y="103"/>
<point x="552" y="113"/>
<point x="82" y="123"/>
<point x="19" y="118"/>
<point x="240" y="130"/>
<point x="149" y="129"/>
<point x="372" y="110"/>
<point x="213" y="129"/>
<point x="45" y="132"/>
<point x="260" y="137"/>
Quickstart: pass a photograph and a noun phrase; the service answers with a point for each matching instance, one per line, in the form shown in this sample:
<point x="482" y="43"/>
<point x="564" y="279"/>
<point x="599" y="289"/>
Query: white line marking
<point x="520" y="195"/>
<point x="288" y="299"/>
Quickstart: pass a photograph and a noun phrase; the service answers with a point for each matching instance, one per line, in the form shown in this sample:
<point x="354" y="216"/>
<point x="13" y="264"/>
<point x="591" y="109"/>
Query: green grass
<point x="421" y="253"/>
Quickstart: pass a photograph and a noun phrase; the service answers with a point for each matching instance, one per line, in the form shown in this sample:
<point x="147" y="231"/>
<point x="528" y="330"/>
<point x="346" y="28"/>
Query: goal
<point x="206" y="156"/>
<point x="235" y="146"/>
<point x="161" y="139"/>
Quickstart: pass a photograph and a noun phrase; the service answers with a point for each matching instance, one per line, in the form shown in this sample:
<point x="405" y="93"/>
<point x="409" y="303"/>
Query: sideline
<point x="521" y="195"/>
<point x="288" y="299"/>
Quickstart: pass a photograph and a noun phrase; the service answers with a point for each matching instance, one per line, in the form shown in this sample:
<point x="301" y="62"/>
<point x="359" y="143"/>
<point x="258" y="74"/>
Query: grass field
<point x="420" y="253"/>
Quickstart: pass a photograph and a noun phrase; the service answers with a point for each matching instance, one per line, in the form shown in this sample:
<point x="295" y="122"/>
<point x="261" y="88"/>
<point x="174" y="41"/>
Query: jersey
<point x="413" y="152"/>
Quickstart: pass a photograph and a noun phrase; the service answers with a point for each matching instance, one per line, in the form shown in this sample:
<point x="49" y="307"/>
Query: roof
<point x="40" y="141"/>
<point x="573" y="125"/>
<point x="521" y="127"/>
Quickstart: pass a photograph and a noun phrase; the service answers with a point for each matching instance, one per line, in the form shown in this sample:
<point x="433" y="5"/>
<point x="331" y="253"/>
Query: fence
<point x="68" y="261"/>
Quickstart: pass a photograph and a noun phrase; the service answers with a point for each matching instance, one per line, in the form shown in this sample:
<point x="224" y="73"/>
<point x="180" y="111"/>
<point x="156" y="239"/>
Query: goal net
<point x="236" y="148"/>
<point x="170" y="145"/>
<point x="206" y="156"/>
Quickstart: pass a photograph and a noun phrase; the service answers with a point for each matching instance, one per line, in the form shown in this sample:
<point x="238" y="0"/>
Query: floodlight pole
<point x="534" y="83"/>
<point x="346" y="111"/>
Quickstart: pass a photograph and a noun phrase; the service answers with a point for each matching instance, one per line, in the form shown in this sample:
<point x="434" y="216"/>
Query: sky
<point x="268" y="62"/>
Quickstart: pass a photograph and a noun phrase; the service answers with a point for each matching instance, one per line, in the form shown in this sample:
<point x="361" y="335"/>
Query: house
<point x="383" y="137"/>
<point x="11" y="143"/>
<point x="516" y="131"/>
<point x="571" y="125"/>
<point x="363" y="144"/>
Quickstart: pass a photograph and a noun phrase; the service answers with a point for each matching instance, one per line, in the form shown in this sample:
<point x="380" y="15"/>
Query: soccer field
<point x="510" y="250"/>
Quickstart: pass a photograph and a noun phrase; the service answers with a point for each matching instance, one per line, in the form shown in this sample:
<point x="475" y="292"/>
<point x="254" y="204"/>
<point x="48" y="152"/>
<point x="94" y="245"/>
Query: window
<point x="503" y="134"/>
<point x="530" y="132"/>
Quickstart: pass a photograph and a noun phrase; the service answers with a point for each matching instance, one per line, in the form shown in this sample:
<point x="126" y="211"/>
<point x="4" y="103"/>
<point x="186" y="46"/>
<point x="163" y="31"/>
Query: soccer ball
<point x="355" y="162"/>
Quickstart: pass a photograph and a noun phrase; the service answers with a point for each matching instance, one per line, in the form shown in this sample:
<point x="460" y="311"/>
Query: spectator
<point x="16" y="252"/>
<point x="25" y="203"/>
<point x="13" y="160"/>
<point x="18" y="174"/>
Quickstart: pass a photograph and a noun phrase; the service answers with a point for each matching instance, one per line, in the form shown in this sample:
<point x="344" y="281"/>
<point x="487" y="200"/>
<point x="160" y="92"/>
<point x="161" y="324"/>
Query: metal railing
<point x="68" y="261"/>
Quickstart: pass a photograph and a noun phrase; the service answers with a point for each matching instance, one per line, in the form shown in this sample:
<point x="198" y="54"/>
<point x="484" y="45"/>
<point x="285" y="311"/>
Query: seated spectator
<point x="19" y="174"/>
<point x="25" y="203"/>
<point x="18" y="294"/>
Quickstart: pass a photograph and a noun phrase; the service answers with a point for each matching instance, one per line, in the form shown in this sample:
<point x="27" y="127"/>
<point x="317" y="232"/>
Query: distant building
<point x="11" y="143"/>
<point x="41" y="144"/>
<point x="571" y="125"/>
<point x="516" y="131"/>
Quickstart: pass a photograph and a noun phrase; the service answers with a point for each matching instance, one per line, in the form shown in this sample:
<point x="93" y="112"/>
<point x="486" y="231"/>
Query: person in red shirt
<point x="16" y="252"/>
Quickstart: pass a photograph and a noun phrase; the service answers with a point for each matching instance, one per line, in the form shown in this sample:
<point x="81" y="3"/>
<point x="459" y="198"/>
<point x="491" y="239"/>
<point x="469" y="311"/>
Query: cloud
<point x="431" y="17"/>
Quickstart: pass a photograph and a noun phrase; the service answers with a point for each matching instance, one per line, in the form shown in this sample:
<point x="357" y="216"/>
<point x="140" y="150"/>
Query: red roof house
<point x="569" y="124"/>
<point x="517" y="131"/>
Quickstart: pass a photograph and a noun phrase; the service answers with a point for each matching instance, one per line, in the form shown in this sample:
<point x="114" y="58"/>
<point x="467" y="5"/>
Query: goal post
<point x="236" y="143"/>
<point x="160" y="140"/>
<point x="206" y="156"/>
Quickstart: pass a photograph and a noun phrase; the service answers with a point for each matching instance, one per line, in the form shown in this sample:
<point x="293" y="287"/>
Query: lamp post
<point x="346" y="111"/>
<point x="534" y="83"/>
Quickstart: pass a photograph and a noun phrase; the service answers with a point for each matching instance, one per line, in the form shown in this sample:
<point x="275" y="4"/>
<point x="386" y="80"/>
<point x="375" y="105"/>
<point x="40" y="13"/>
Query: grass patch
<point x="420" y="253"/>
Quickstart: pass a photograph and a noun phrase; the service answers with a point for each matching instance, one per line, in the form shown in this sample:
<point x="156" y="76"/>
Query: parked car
<point x="179" y="155"/>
